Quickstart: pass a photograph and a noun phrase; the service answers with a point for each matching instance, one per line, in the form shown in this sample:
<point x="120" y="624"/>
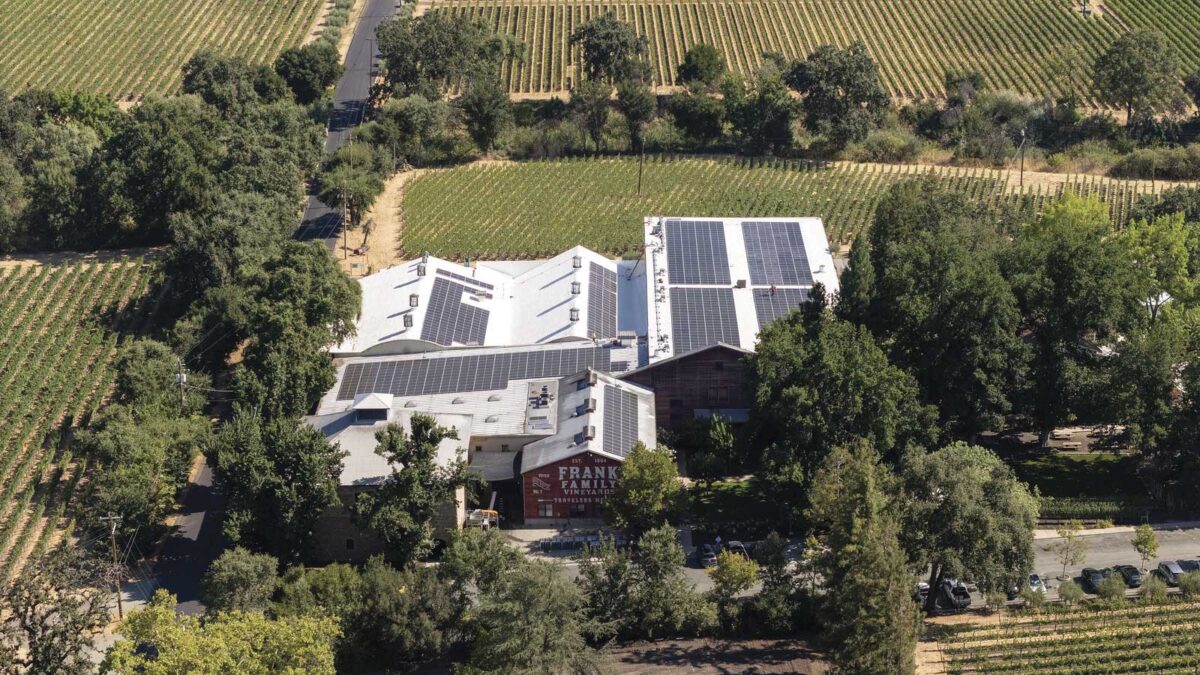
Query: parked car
<point x="706" y="555"/>
<point x="1169" y="571"/>
<point x="1131" y="575"/>
<point x="738" y="548"/>
<point x="1035" y="584"/>
<point x="1188" y="565"/>
<point x="1091" y="579"/>
<point x="954" y="596"/>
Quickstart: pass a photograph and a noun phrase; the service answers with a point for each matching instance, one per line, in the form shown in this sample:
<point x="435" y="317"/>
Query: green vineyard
<point x="127" y="48"/>
<point x="538" y="209"/>
<point x="59" y="330"/>
<point x="1135" y="639"/>
<point x="1020" y="45"/>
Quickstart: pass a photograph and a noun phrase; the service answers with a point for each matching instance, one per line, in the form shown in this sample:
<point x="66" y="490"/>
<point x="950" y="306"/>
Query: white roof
<point x="729" y="279"/>
<point x="488" y="304"/>
<point x="373" y="401"/>
<point x="362" y="466"/>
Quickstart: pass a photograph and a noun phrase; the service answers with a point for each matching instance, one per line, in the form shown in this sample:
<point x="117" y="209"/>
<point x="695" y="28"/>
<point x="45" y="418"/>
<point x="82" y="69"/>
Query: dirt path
<point x="65" y="257"/>
<point x="386" y="232"/>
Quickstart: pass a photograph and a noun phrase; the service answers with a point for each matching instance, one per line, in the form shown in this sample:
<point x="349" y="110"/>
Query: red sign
<point x="572" y="488"/>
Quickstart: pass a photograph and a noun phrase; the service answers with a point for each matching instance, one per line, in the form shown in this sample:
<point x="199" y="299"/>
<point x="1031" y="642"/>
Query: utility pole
<point x="116" y="564"/>
<point x="1022" y="158"/>
<point x="181" y="380"/>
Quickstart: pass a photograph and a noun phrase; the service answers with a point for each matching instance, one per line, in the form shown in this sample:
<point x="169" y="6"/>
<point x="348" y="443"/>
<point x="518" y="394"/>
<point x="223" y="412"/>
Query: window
<point x="545" y="510"/>
<point x="581" y="384"/>
<point x="718" y="365"/>
<point x="479" y="448"/>
<point x="349" y="544"/>
<point x="578" y="510"/>
<point x="718" y="395"/>
<point x="504" y="447"/>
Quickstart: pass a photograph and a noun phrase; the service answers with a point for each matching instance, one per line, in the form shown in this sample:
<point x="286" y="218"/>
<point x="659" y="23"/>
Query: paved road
<point x="196" y="542"/>
<point x="1106" y="550"/>
<point x="350" y="101"/>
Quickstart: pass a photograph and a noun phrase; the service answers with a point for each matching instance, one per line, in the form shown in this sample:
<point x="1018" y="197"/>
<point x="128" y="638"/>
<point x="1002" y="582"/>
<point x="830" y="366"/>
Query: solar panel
<point x="696" y="252"/>
<point x="466" y="373"/>
<point x="769" y="305"/>
<point x="701" y="317"/>
<point x="449" y="320"/>
<point x="775" y="251"/>
<point x="468" y="280"/>
<point x="620" y="421"/>
<point x="602" y="302"/>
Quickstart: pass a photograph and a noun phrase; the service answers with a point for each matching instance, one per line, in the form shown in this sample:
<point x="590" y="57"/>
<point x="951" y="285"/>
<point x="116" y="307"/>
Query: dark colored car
<point x="1091" y="579"/>
<point x="738" y="548"/>
<point x="1169" y="571"/>
<point x="706" y="555"/>
<point x="1188" y="565"/>
<point x="1131" y="575"/>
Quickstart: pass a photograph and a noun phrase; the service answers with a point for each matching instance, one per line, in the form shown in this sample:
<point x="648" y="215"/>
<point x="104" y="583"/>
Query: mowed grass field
<point x="1020" y="45"/>
<point x="1134" y="639"/>
<point x="60" y="326"/>
<point x="128" y="48"/>
<point x="538" y="209"/>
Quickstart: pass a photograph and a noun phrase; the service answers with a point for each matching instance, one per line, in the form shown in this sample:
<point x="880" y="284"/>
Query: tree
<point x="611" y="49"/>
<point x="858" y="283"/>
<point x="1143" y="377"/>
<point x="475" y="560"/>
<point x="645" y="595"/>
<point x="733" y="574"/>
<point x="53" y="610"/>
<point x="278" y="478"/>
<point x="818" y="383"/>
<point x="423" y="54"/>
<point x="1075" y="286"/>
<point x="591" y="101"/>
<point x="637" y="103"/>
<point x="853" y="501"/>
<point x="1162" y="257"/>
<point x="700" y="117"/>
<point x="1154" y="590"/>
<point x="240" y="580"/>
<point x="1071" y="549"/>
<point x="968" y="517"/>
<point x="230" y="83"/>
<point x="843" y="96"/>
<point x="778" y="602"/>
<point x="157" y="641"/>
<point x="760" y="113"/>
<point x="1112" y="588"/>
<point x="486" y="109"/>
<point x="1070" y="593"/>
<point x="1139" y="72"/>
<point x="146" y="371"/>
<point x="401" y="510"/>
<point x="701" y="63"/>
<point x="352" y="187"/>
<point x="1145" y="542"/>
<point x="533" y="622"/>
<point x="646" y="490"/>
<point x="309" y="70"/>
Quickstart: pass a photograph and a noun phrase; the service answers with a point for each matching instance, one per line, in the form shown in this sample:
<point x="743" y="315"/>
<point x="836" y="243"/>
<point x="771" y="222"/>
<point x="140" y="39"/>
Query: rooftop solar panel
<point x="696" y="252"/>
<point x="465" y="373"/>
<point x="775" y="252"/>
<point x="620" y="421"/>
<point x="602" y="302"/>
<point x="468" y="280"/>
<point x="701" y="317"/>
<point x="449" y="320"/>
<point x="769" y="305"/>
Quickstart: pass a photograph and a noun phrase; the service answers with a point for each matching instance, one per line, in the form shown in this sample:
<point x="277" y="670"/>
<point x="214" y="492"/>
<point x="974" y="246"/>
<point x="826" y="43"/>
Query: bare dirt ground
<point x="387" y="227"/>
<point x="714" y="656"/>
<point x="65" y="257"/>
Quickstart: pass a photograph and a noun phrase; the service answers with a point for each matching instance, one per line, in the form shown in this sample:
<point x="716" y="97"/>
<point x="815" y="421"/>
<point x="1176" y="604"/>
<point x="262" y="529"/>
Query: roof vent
<point x="410" y="404"/>
<point x="408" y="320"/>
<point x="413" y="299"/>
<point x="421" y="269"/>
<point x="494" y="397"/>
<point x="591" y="405"/>
<point x="741" y="283"/>
<point x="575" y="287"/>
<point x="425" y="256"/>
<point x="592" y="379"/>
<point x="577" y="262"/>
<point x="458" y="400"/>
<point x="574" y="314"/>
<point x="589" y="432"/>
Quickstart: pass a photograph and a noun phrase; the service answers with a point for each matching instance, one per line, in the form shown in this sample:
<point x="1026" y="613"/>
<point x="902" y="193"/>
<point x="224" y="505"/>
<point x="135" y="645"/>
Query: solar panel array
<point x="773" y="305"/>
<point x="449" y="320"/>
<point x="465" y="373"/>
<point x="602" y="302"/>
<point x="775" y="251"/>
<point x="701" y="317"/>
<point x="469" y="280"/>
<point x="620" y="421"/>
<point x="696" y="252"/>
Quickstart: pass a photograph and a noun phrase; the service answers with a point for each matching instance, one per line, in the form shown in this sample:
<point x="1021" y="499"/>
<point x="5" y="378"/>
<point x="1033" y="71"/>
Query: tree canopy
<point x="843" y="96"/>
<point x="1140" y="72"/>
<point x="646" y="490"/>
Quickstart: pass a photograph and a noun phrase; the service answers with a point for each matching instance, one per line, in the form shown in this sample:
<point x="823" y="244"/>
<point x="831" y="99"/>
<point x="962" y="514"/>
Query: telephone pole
<point x="112" y="533"/>
<point x="181" y="380"/>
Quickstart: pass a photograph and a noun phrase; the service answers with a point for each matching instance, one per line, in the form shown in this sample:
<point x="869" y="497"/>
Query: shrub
<point x="1033" y="599"/>
<point x="1154" y="590"/>
<point x="1190" y="584"/>
<point x="1161" y="163"/>
<point x="1112" y="588"/>
<point x="889" y="146"/>
<point x="1070" y="593"/>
